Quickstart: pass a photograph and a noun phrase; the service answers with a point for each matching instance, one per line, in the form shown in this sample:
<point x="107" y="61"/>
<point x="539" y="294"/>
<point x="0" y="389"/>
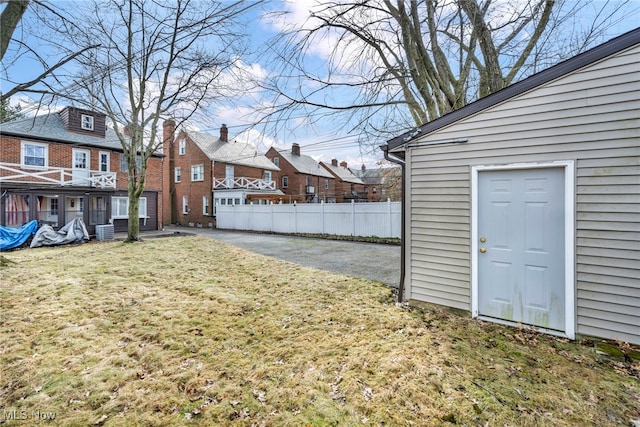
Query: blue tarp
<point x="12" y="237"/>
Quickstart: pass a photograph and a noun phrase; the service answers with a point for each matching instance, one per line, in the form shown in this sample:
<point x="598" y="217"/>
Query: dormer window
<point x="86" y="122"/>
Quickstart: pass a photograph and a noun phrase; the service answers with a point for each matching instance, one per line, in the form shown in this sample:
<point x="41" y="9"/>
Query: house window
<point x="223" y="201"/>
<point x="80" y="159"/>
<point x="276" y="161"/>
<point x="120" y="207"/>
<point x="374" y="189"/>
<point x="86" y="122"/>
<point x="177" y="175"/>
<point x="308" y="180"/>
<point x="205" y="205"/>
<point x="197" y="173"/>
<point x="104" y="161"/>
<point x="185" y="205"/>
<point x="326" y="183"/>
<point x="182" y="147"/>
<point x="53" y="206"/>
<point x="285" y="182"/>
<point x="123" y="163"/>
<point x="34" y="154"/>
<point x="267" y="176"/>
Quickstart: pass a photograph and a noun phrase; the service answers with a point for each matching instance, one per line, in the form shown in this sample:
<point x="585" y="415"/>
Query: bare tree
<point x="18" y="42"/>
<point x="156" y="59"/>
<point x="411" y="61"/>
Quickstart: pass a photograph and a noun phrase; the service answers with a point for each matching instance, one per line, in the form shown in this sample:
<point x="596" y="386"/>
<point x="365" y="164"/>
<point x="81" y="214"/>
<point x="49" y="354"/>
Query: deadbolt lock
<point x="483" y="239"/>
<point x="483" y="250"/>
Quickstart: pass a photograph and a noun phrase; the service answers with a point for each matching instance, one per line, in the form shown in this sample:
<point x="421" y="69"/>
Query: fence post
<point x="390" y="217"/>
<point x="271" y="209"/>
<point x="295" y="217"/>
<point x="353" y="217"/>
<point x="322" y="214"/>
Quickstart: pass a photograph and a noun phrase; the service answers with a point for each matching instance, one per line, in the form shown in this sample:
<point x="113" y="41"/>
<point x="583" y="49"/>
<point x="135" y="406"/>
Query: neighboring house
<point x="301" y="178"/>
<point x="348" y="187"/>
<point x="524" y="206"/>
<point x="206" y="171"/>
<point x="69" y="164"/>
<point x="382" y="184"/>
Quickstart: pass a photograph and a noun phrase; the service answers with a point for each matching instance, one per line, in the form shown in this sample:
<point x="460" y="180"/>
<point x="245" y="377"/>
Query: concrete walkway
<point x="379" y="262"/>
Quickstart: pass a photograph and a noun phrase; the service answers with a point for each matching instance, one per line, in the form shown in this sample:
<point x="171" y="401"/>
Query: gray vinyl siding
<point x="591" y="117"/>
<point x="608" y="247"/>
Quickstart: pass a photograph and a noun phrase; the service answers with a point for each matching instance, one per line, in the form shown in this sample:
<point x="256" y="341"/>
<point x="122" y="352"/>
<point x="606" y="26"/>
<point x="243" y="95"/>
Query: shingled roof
<point x="50" y="128"/>
<point x="230" y="152"/>
<point x="304" y="164"/>
<point x="341" y="172"/>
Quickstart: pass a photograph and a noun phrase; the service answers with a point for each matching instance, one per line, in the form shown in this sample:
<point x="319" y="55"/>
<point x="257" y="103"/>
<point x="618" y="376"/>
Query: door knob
<point x="483" y="250"/>
<point x="483" y="239"/>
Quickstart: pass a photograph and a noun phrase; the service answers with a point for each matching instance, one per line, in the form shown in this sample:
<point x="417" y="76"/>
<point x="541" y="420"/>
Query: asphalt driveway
<point x="379" y="262"/>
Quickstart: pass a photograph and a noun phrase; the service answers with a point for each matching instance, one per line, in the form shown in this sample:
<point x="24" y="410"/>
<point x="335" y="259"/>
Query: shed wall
<point x="592" y="117"/>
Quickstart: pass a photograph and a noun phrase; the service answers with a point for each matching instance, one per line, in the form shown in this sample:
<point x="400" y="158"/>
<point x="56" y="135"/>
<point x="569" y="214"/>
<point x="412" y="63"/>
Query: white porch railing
<point x="10" y="172"/>
<point x="243" y="182"/>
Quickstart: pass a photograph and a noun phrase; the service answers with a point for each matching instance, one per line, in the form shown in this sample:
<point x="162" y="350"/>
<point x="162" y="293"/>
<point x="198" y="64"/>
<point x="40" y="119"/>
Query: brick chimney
<point x="295" y="149"/>
<point x="168" y="135"/>
<point x="343" y="164"/>
<point x="364" y="168"/>
<point x="334" y="162"/>
<point x="224" y="133"/>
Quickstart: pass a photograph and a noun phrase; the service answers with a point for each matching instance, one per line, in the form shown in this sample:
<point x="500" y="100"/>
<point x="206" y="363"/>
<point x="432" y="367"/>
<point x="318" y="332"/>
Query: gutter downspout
<point x="385" y="149"/>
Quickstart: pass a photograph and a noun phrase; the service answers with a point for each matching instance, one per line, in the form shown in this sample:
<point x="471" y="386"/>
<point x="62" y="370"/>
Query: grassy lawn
<point x="191" y="331"/>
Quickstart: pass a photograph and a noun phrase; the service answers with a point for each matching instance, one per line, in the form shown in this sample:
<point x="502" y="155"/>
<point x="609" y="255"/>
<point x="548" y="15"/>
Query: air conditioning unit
<point x="104" y="232"/>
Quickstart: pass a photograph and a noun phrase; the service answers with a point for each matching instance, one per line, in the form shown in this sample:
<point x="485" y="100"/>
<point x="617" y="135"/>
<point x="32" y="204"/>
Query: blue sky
<point x="319" y="136"/>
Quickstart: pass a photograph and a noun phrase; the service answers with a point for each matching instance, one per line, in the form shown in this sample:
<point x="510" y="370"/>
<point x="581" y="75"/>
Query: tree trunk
<point x="135" y="187"/>
<point x="133" y="229"/>
<point x="11" y="16"/>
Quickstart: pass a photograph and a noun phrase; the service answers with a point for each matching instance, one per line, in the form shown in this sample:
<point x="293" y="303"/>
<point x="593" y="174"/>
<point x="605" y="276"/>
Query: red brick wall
<point x="220" y="171"/>
<point x="187" y="188"/>
<point x="298" y="182"/>
<point x="9" y="150"/>
<point x="61" y="156"/>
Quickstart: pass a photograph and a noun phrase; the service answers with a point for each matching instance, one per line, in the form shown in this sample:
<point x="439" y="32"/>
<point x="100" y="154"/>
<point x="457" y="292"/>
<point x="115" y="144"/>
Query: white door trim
<point x="569" y="235"/>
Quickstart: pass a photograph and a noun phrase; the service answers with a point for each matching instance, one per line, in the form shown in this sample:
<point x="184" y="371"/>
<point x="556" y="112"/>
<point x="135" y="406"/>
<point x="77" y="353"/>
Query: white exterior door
<point x="521" y="246"/>
<point x="80" y="171"/>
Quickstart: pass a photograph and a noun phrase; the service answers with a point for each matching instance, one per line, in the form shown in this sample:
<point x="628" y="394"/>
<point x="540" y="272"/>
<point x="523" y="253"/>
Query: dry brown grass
<point x="190" y="330"/>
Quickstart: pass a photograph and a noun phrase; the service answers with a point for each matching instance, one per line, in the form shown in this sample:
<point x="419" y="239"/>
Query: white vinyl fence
<point x="343" y="219"/>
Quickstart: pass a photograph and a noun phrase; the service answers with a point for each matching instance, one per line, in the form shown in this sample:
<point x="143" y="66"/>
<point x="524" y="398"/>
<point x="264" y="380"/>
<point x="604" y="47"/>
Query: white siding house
<point x="524" y="207"/>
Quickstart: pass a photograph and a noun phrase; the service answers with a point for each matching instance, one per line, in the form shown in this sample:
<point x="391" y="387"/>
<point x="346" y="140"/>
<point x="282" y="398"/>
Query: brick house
<point x="382" y="183"/>
<point x="206" y="171"/>
<point x="301" y="178"/>
<point x="348" y="187"/>
<point x="68" y="164"/>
